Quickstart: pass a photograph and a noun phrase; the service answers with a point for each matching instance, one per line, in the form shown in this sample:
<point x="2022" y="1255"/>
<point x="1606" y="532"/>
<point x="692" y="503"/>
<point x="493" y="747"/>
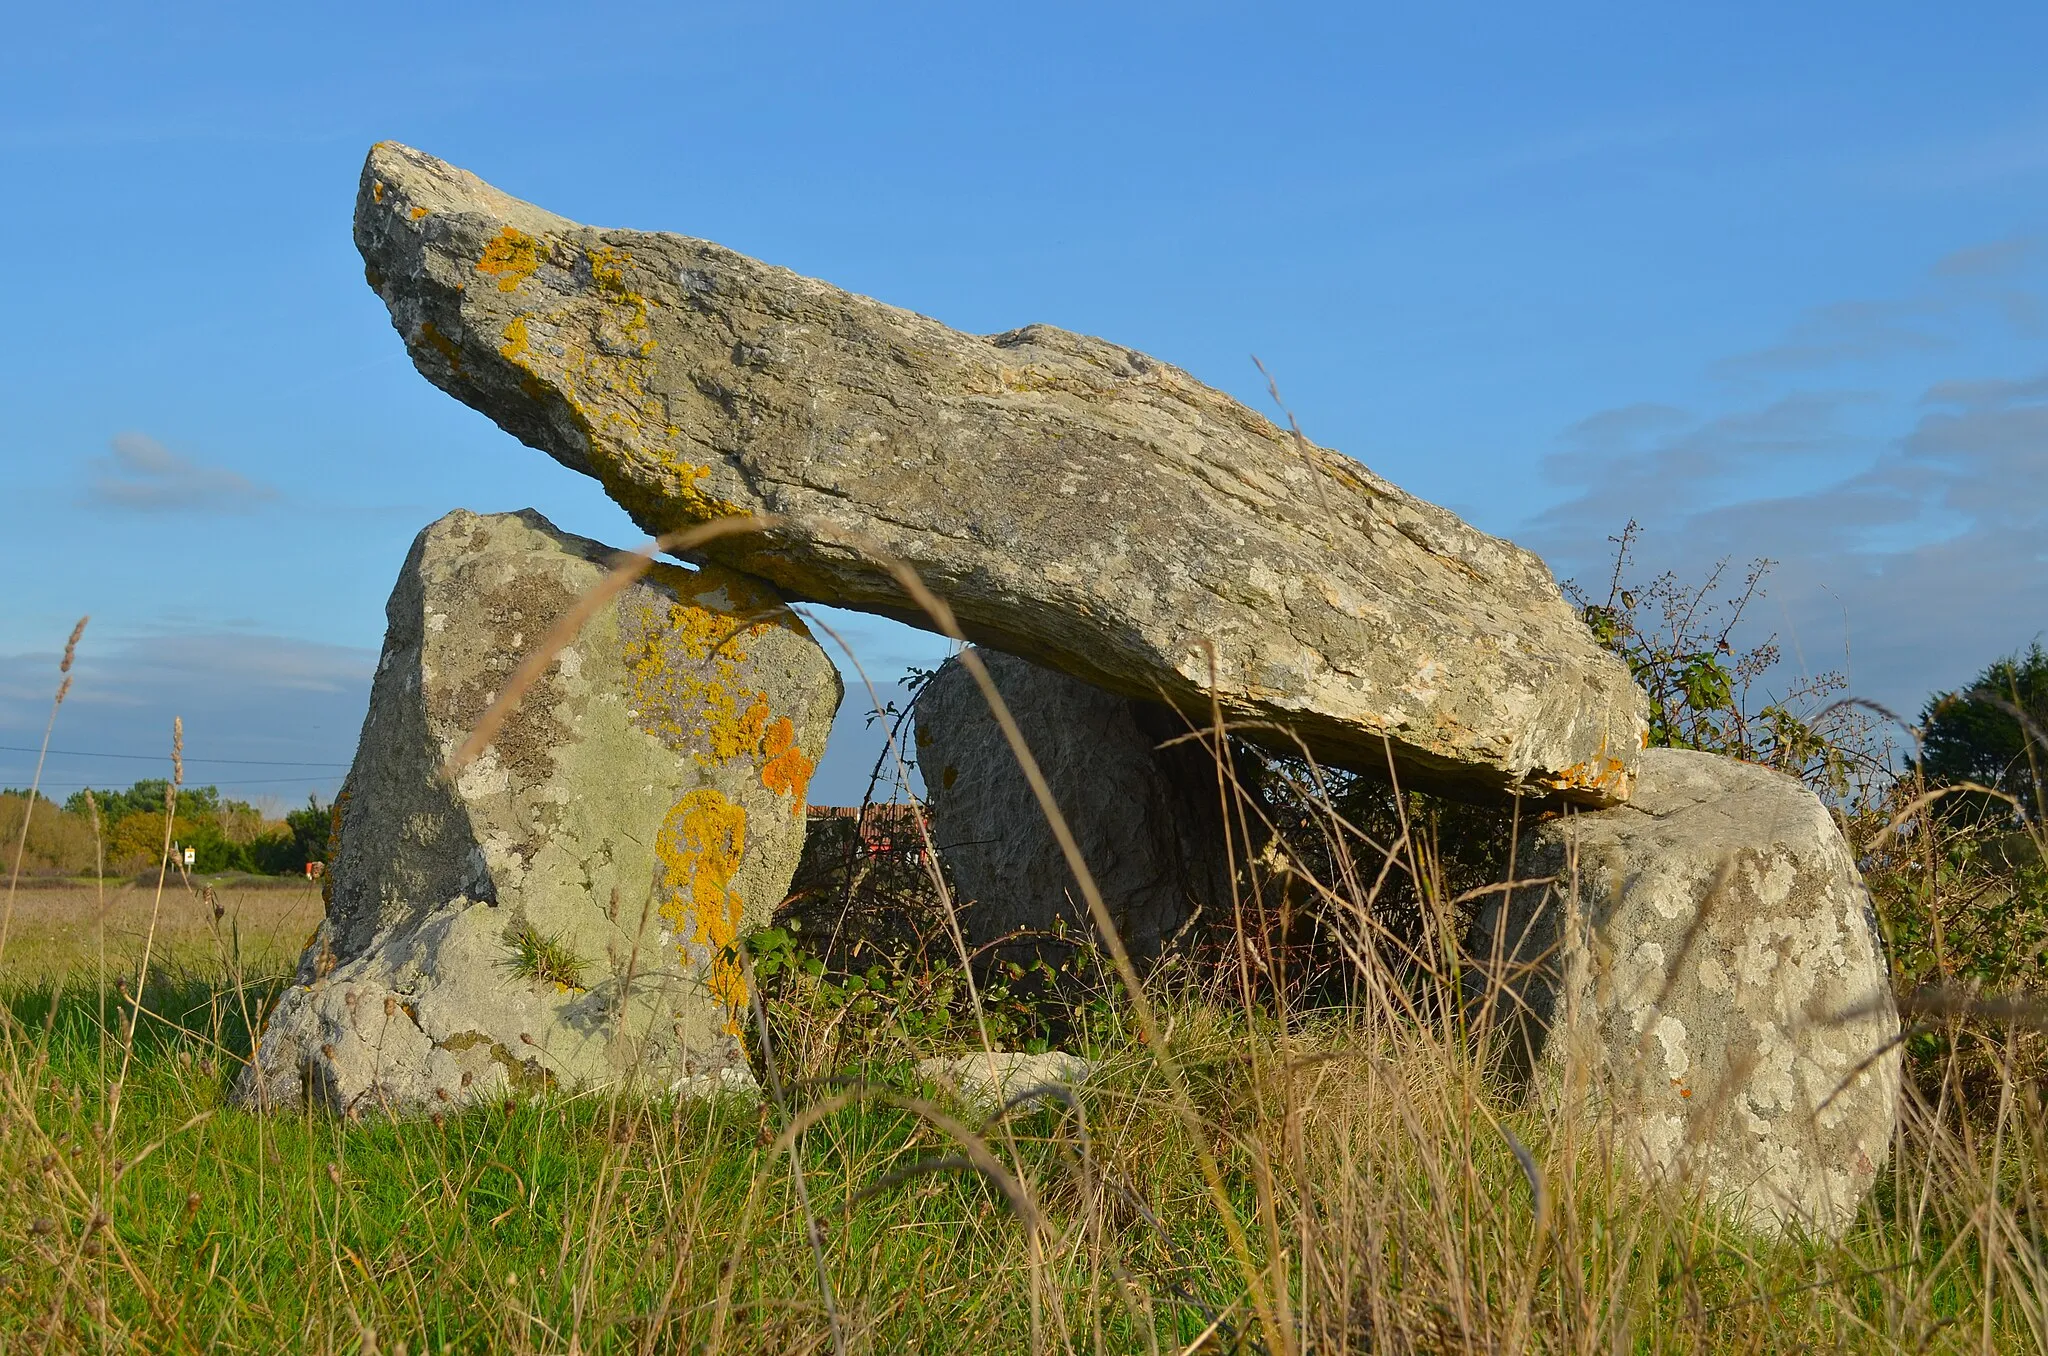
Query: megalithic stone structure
<point x="1699" y="979"/>
<point x="561" y="913"/>
<point x="1145" y="810"/>
<point x="1077" y="503"/>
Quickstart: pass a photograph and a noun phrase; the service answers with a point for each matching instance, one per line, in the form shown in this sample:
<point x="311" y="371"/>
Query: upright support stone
<point x="1702" y="979"/>
<point x="1075" y="502"/>
<point x="560" y="913"/>
<point x="1147" y="819"/>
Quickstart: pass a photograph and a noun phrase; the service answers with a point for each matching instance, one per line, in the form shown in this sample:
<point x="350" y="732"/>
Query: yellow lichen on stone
<point x="514" y="346"/>
<point x="699" y="848"/>
<point x="419" y="213"/>
<point x="441" y="344"/>
<point x="608" y="275"/>
<point x="689" y="687"/>
<point x="626" y="431"/>
<point x="510" y="257"/>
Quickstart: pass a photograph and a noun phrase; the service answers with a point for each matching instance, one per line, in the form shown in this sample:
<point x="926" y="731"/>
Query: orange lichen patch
<point x="418" y="213"/>
<point x="510" y="257"/>
<point x="659" y="489"/>
<point x="376" y="190"/>
<point x="1598" y="773"/>
<point x="699" y="848"/>
<point x="787" y="771"/>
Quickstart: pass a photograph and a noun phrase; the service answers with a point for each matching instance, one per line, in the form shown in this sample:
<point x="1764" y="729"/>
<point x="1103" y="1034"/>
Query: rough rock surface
<point x="553" y="916"/>
<point x="1147" y="819"/>
<point x="987" y="1080"/>
<point x="1706" y="972"/>
<point x="1076" y="502"/>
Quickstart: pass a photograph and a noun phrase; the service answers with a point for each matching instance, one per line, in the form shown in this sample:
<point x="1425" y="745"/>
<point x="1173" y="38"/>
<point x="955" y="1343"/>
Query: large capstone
<point x="1144" y="809"/>
<point x="1702" y="978"/>
<point x="562" y="912"/>
<point x="1076" y="502"/>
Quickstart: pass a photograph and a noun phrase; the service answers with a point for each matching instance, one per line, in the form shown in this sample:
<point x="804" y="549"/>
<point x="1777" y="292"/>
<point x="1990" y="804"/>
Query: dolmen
<point x="1689" y="965"/>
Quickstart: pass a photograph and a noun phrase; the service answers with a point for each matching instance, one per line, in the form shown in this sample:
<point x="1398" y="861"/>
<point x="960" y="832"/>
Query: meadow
<point x="1292" y="1143"/>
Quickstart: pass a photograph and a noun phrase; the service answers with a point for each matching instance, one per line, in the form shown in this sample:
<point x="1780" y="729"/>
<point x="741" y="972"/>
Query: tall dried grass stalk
<point x="36" y="783"/>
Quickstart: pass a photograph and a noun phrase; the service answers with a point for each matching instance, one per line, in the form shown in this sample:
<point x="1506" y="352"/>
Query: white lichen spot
<point x="1671" y="1035"/>
<point x="1714" y="976"/>
<point x="484" y="777"/>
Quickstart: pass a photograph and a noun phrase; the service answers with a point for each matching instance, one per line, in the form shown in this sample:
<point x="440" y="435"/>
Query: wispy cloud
<point x="140" y="473"/>
<point x="287" y="710"/>
<point x="1992" y="259"/>
<point x="1930" y="545"/>
<point x="1953" y="299"/>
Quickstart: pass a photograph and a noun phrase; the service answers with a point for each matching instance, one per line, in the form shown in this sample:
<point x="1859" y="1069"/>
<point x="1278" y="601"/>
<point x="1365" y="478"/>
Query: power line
<point x="165" y="758"/>
<point x="259" y="781"/>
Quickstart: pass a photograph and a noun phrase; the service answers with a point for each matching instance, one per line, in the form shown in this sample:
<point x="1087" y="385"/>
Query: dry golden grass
<point x="57" y="930"/>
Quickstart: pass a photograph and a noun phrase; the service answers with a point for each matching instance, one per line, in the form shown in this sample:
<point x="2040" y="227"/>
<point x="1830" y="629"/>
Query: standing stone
<point x="1706" y="973"/>
<point x="1077" y="503"/>
<point x="1147" y="819"/>
<point x="558" y="915"/>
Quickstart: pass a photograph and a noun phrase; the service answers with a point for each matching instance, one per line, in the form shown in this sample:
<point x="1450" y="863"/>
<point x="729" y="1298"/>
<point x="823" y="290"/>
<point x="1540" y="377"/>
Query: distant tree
<point x="59" y="843"/>
<point x="1995" y="732"/>
<point x="147" y="797"/>
<point x="303" y="840"/>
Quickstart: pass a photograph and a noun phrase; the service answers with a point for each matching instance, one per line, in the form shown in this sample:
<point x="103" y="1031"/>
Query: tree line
<point x="121" y="832"/>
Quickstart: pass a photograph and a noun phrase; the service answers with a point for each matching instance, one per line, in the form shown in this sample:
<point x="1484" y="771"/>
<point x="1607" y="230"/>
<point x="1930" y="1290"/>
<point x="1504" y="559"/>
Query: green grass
<point x="1368" y="1168"/>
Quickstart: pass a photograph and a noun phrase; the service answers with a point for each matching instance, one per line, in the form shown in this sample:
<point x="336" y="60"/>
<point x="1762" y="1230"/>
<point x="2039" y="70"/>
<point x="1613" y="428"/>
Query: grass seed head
<point x="71" y="645"/>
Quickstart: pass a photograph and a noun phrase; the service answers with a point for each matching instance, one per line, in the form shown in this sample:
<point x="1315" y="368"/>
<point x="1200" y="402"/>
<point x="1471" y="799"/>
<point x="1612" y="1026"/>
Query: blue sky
<point x="1772" y="280"/>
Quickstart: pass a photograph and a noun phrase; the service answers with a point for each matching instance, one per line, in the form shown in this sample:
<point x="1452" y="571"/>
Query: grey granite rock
<point x="1077" y="503"/>
<point x="1147" y="819"/>
<point x="555" y="915"/>
<point x="1705" y="982"/>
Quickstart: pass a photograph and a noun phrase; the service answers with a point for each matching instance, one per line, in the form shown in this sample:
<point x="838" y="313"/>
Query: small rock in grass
<point x="987" y="1080"/>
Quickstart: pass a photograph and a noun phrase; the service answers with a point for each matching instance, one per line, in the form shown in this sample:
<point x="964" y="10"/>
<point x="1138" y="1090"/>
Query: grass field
<point x="1345" y="1182"/>
<point x="56" y="931"/>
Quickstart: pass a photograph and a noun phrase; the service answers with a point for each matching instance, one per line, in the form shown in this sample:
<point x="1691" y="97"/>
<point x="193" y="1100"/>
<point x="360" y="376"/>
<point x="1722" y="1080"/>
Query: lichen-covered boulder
<point x="560" y="913"/>
<point x="1702" y="979"/>
<point x="1076" y="502"/>
<point x="1148" y="820"/>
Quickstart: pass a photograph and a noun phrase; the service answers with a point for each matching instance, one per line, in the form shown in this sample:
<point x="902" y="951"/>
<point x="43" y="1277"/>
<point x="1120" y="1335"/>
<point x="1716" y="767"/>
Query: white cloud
<point x="140" y="473"/>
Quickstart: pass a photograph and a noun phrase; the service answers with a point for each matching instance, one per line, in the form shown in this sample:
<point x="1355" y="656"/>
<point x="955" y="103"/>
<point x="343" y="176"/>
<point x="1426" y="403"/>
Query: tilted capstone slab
<point x="560" y="913"/>
<point x="1075" y="502"/>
